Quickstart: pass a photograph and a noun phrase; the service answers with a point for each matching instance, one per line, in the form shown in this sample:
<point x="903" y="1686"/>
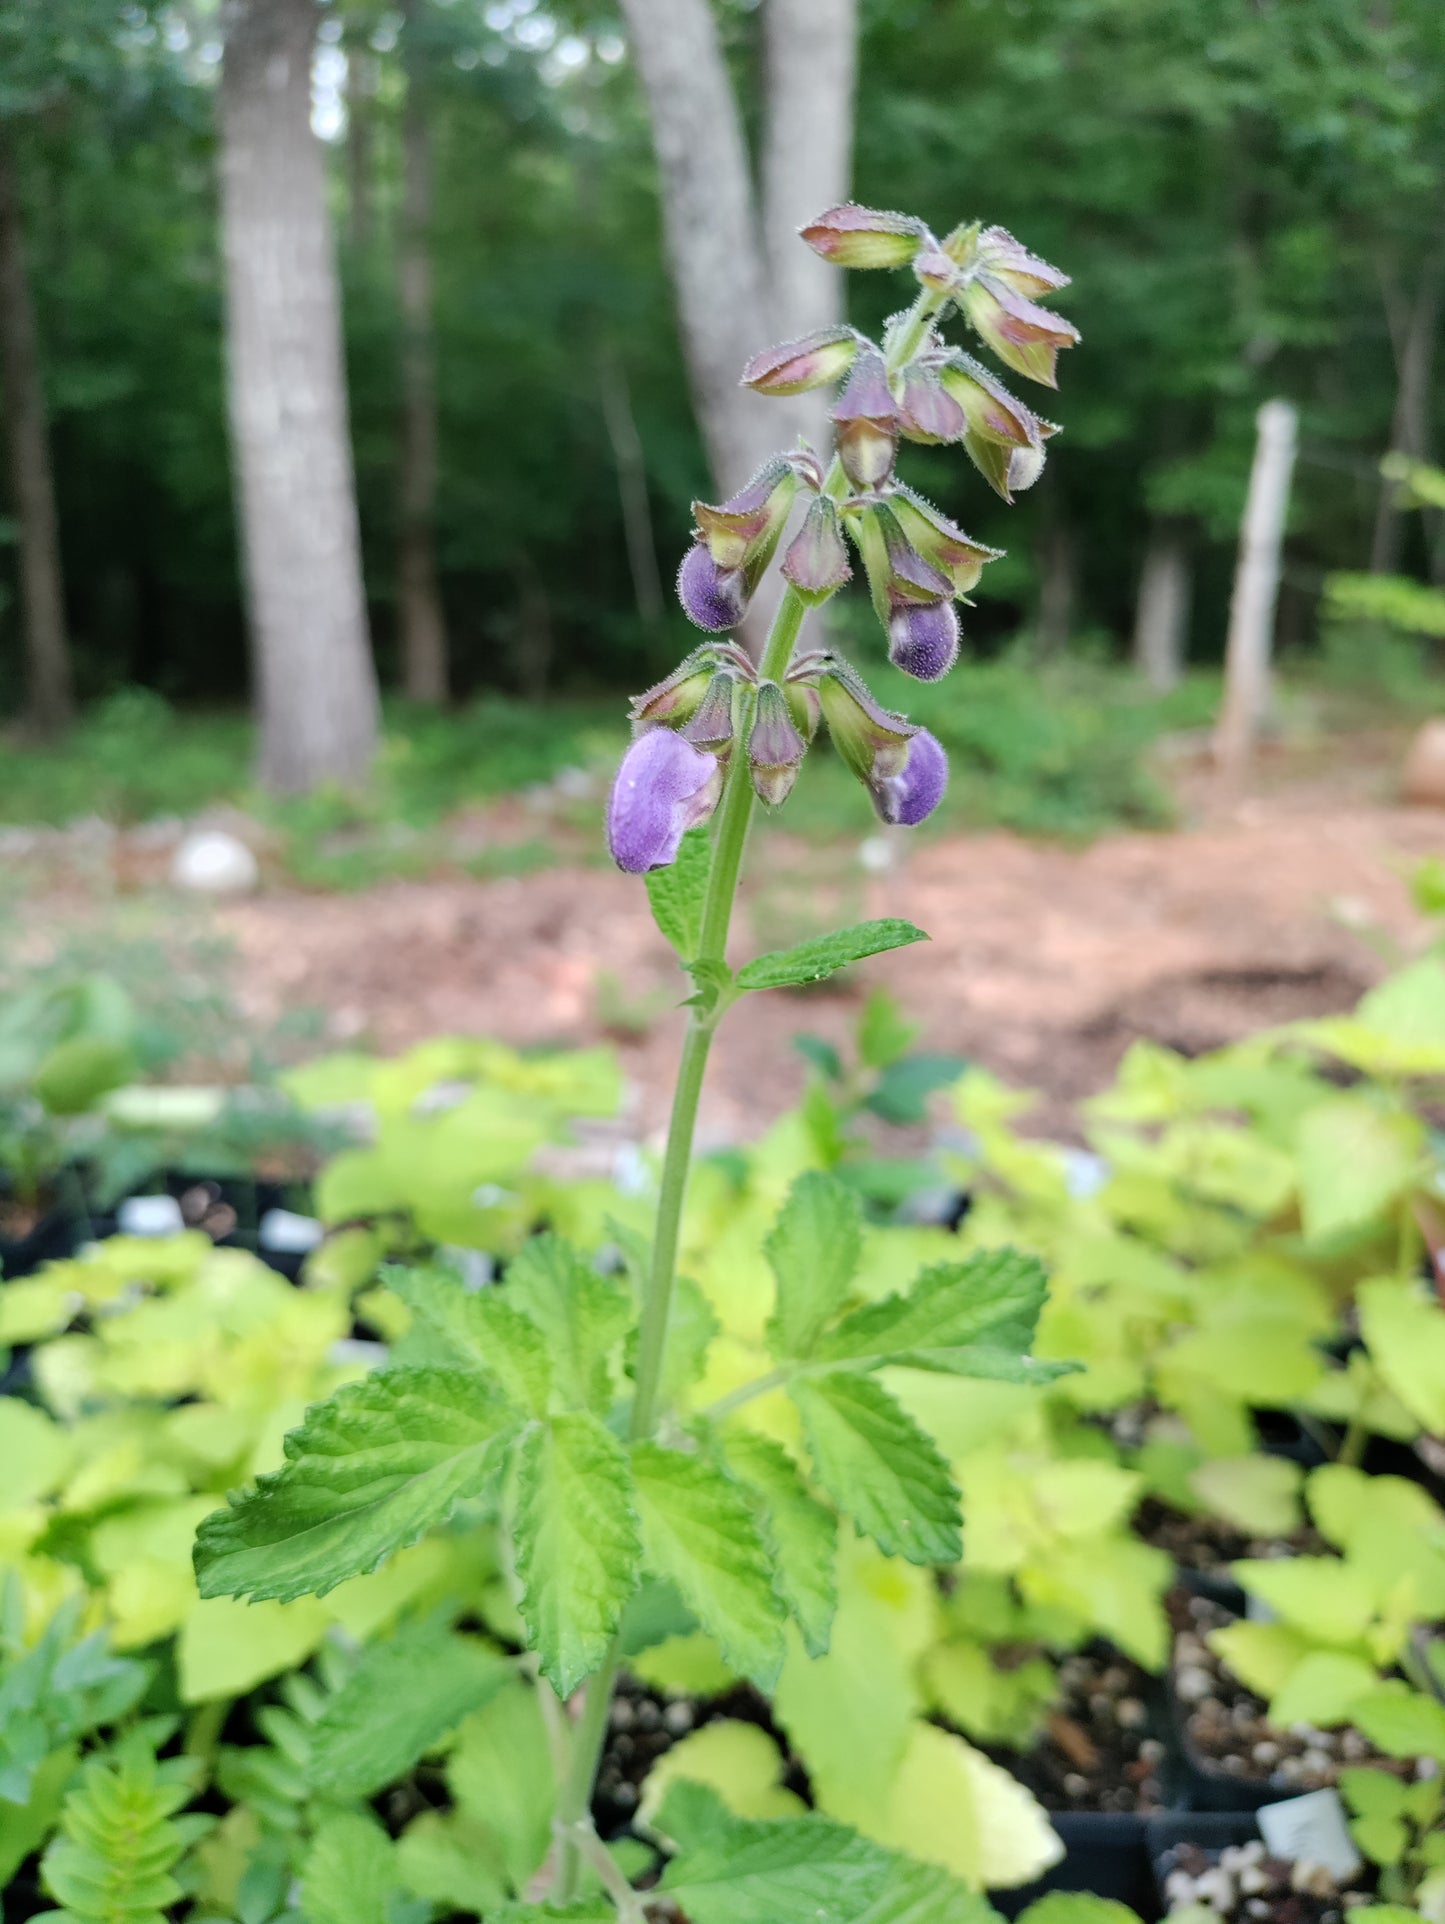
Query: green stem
<point x="729" y="841"/>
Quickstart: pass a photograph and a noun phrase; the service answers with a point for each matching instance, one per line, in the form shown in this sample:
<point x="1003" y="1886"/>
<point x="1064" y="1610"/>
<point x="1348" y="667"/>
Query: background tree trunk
<point x="710" y="224"/>
<point x="419" y="602"/>
<point x="286" y="389"/>
<point x="360" y="141"/>
<point x="1413" y="333"/>
<point x="48" y="692"/>
<point x="811" y="59"/>
<point x="1256" y="587"/>
<point x="627" y="458"/>
<point x="1161" y="621"/>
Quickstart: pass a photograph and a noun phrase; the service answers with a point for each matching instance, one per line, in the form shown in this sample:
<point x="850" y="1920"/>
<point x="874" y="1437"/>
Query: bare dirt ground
<point x="1045" y="962"/>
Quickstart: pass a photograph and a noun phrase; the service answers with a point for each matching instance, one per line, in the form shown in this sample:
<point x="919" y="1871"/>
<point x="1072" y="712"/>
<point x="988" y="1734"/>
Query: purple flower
<point x="923" y="639"/>
<point x="664" y="787"/>
<point x="715" y="598"/>
<point x="908" y="798"/>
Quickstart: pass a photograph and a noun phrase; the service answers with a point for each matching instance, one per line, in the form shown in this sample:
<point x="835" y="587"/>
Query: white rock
<point x="215" y="863"/>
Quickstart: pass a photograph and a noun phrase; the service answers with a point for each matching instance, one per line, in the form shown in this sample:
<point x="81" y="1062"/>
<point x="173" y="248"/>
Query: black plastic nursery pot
<point x="1105" y="1852"/>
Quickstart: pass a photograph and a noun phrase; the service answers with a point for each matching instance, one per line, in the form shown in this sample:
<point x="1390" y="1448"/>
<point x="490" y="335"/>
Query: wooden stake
<point x="1256" y="587"/>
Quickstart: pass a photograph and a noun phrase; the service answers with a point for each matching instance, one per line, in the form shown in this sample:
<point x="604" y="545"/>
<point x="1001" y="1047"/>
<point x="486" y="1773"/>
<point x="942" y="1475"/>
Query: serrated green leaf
<point x="501" y="1781"/>
<point x="974" y="1318"/>
<point x="812" y="961"/>
<point x="1355" y="1159"/>
<point x="1402" y="1722"/>
<point x="479" y="1328"/>
<point x="349" y="1871"/>
<point x="699" y="1533"/>
<point x="879" y="1467"/>
<point x="677" y="893"/>
<point x="802" y="1870"/>
<point x="582" y="1316"/>
<point x="1383" y="1839"/>
<point x="404" y="1696"/>
<point x="813" y="1252"/>
<point x="1372" y="1793"/>
<point x="577" y="1544"/>
<point x="801" y="1534"/>
<point x="367" y="1473"/>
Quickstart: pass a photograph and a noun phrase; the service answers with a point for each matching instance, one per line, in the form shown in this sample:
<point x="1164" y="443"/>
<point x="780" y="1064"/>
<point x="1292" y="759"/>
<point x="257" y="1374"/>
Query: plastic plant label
<point x="1311" y="1830"/>
<point x="287" y="1233"/>
<point x="149" y="1216"/>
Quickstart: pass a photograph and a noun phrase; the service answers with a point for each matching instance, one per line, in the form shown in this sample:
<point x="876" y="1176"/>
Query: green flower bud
<point x="674" y="700"/>
<point x="941" y="542"/>
<point x="712" y="727"/>
<point x="775" y="746"/>
<point x="744" y="531"/>
<point x="867" y="418"/>
<point x="871" y="739"/>
<point x="853" y="236"/>
<point x="898" y="575"/>
<point x="797" y="366"/>
<point x="817" y="559"/>
<point x="1004" y="438"/>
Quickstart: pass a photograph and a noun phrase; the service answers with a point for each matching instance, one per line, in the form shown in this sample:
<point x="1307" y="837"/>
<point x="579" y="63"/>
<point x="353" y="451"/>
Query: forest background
<point x="1248" y="196"/>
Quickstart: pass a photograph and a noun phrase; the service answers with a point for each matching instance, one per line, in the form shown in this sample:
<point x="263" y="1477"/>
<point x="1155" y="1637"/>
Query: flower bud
<point x="927" y="412"/>
<point x="923" y="641"/>
<point x="675" y="699"/>
<point x="936" y="269"/>
<point x="1005" y="439"/>
<point x="906" y="798"/>
<point x="1023" y="335"/>
<point x="872" y="740"/>
<point x="804" y="707"/>
<point x="941" y="542"/>
<point x="797" y="366"/>
<point x="1008" y="260"/>
<point x="898" y="575"/>
<point x="853" y="236"/>
<point x="712" y="726"/>
<point x="744" y="531"/>
<point x="775" y="747"/>
<point x="664" y="787"/>
<point x="867" y="418"/>
<point x="817" y="559"/>
<point x="713" y="597"/>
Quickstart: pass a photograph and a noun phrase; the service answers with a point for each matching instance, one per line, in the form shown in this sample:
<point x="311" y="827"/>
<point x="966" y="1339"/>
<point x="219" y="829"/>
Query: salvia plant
<point x="558" y="1403"/>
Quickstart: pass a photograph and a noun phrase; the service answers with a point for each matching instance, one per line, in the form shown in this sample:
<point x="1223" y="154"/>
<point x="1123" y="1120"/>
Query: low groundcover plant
<point x="557" y="1403"/>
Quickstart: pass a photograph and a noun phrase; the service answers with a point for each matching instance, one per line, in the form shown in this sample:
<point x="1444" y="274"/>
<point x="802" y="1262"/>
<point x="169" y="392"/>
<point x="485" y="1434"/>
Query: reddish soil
<point x="1045" y="962"/>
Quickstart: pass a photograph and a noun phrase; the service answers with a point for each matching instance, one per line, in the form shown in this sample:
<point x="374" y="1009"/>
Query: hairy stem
<point x="729" y="840"/>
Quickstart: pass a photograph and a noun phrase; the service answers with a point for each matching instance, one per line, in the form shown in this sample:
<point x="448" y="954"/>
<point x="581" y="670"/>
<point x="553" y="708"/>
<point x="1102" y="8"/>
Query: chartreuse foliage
<point x="524" y="1424"/>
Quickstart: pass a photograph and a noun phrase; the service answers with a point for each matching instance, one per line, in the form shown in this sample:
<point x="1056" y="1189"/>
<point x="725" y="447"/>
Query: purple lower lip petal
<point x="923" y="641"/>
<point x="908" y="798"/>
<point x="713" y="597"/>
<point x="664" y="787"/>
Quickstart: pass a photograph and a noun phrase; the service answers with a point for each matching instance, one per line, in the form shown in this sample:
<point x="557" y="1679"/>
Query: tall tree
<point x="736" y="283"/>
<point x="419" y="602"/>
<point x="811" y="61"/>
<point x="301" y="540"/>
<point x="49" y="694"/>
<point x="52" y="52"/>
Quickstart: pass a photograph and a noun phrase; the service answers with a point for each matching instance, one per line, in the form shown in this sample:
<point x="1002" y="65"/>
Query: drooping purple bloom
<point x="715" y="598"/>
<point x="908" y="798"/>
<point x="664" y="787"/>
<point x="923" y="639"/>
